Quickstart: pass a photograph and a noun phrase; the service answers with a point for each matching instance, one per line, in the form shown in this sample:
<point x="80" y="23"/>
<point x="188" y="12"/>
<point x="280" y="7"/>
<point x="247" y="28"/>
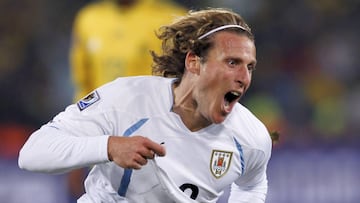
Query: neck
<point x="187" y="108"/>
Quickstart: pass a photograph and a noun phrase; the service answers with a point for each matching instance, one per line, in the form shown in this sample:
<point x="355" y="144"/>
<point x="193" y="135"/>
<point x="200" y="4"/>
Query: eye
<point x="251" y="67"/>
<point x="232" y="62"/>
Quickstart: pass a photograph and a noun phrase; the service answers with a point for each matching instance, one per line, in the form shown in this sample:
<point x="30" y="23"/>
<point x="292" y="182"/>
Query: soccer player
<point x="112" y="38"/>
<point x="180" y="136"/>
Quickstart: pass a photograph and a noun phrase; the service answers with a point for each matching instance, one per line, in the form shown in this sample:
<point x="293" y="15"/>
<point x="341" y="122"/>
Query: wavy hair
<point x="182" y="36"/>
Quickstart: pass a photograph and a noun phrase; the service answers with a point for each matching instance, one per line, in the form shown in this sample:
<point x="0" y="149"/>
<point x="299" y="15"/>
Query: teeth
<point x="235" y="93"/>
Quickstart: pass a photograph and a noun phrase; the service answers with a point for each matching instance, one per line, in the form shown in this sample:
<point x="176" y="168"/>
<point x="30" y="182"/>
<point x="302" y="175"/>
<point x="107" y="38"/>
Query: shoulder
<point x="249" y="130"/>
<point x="133" y="94"/>
<point x="94" y="11"/>
<point x="164" y="9"/>
<point x="146" y="84"/>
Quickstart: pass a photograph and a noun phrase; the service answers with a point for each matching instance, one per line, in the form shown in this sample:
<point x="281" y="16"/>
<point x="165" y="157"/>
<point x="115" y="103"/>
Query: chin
<point x="218" y="119"/>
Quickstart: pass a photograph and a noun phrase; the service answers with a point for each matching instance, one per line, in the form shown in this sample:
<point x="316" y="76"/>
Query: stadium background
<point x="306" y="87"/>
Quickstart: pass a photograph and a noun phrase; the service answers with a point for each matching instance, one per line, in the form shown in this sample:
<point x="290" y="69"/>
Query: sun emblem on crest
<point x="220" y="162"/>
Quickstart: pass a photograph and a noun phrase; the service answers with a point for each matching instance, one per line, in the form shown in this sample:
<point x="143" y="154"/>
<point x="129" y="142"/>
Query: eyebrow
<point x="239" y="59"/>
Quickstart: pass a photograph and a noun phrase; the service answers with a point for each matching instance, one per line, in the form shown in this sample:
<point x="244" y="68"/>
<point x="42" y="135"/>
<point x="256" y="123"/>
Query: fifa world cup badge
<point x="88" y="100"/>
<point x="220" y="162"/>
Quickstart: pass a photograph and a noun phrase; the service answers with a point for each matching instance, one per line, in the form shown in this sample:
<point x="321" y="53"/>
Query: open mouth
<point x="230" y="99"/>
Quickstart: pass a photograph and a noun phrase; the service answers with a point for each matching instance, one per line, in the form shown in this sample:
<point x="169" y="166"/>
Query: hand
<point x="133" y="152"/>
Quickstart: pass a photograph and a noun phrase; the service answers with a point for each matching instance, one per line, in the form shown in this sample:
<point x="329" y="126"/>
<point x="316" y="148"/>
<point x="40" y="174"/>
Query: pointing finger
<point x="156" y="148"/>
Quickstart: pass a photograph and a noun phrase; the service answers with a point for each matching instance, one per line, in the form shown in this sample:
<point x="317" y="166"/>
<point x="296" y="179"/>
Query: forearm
<point x="53" y="151"/>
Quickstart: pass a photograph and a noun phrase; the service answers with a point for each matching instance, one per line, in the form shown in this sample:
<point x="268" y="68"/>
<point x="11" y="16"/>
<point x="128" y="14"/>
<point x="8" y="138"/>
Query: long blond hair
<point x="182" y="36"/>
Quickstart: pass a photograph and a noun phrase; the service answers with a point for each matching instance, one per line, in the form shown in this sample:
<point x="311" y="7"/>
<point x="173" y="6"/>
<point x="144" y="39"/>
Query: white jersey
<point x="197" y="166"/>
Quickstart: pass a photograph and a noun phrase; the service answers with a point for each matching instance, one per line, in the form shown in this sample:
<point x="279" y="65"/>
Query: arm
<point x="49" y="150"/>
<point x="52" y="150"/>
<point x="252" y="186"/>
<point x="250" y="194"/>
<point x="72" y="140"/>
<point x="77" y="139"/>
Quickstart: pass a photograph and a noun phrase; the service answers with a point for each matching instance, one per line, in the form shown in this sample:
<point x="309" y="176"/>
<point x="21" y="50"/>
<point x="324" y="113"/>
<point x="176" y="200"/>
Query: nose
<point x="243" y="77"/>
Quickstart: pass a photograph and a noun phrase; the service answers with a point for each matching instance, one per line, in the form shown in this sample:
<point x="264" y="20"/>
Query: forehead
<point x="234" y="43"/>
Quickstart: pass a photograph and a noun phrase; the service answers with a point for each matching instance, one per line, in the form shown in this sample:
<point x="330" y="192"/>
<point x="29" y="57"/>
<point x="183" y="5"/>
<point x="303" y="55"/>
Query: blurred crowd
<point x="307" y="83"/>
<point x="34" y="75"/>
<point x="306" y="86"/>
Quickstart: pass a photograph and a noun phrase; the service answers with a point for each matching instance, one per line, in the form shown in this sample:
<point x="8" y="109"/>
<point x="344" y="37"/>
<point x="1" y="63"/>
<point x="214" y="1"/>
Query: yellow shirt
<point x="110" y="41"/>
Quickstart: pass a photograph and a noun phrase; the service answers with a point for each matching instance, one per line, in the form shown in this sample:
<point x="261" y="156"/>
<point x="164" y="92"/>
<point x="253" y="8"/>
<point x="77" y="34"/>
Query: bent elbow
<point x="21" y="161"/>
<point x="29" y="161"/>
<point x="28" y="158"/>
<point x="24" y="160"/>
<point x="41" y="154"/>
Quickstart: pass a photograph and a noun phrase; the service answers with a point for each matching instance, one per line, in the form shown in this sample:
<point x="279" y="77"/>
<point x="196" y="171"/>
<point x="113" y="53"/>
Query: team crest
<point x="220" y="162"/>
<point x="88" y="100"/>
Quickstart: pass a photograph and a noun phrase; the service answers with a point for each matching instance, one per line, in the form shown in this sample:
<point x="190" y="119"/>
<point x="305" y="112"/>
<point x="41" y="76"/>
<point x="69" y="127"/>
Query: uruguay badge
<point x="220" y="162"/>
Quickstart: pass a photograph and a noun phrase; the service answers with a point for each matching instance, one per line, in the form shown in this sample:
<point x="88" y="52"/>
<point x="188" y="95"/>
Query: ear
<point x="192" y="63"/>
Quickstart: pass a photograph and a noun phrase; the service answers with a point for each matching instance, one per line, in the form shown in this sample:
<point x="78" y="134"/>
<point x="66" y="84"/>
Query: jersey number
<point x="194" y="189"/>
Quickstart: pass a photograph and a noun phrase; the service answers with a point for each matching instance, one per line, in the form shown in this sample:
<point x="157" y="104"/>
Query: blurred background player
<point x="112" y="38"/>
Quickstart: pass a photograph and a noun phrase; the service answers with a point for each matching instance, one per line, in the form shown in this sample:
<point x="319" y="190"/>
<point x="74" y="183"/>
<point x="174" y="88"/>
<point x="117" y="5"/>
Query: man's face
<point x="225" y="75"/>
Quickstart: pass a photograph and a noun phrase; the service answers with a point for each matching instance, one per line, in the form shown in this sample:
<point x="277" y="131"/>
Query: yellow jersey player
<point x="112" y="38"/>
